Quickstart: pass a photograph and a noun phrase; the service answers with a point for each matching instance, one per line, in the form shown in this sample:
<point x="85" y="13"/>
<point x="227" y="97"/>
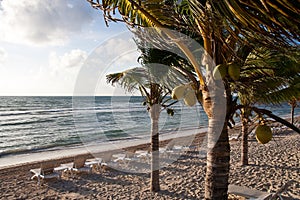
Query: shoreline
<point x="59" y="147"/>
<point x="33" y="159"/>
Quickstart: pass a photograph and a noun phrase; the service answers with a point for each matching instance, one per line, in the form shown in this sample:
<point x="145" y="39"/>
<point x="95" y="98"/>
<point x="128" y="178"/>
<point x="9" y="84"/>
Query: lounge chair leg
<point x="33" y="177"/>
<point x="39" y="180"/>
<point x="72" y="174"/>
<point x="281" y="190"/>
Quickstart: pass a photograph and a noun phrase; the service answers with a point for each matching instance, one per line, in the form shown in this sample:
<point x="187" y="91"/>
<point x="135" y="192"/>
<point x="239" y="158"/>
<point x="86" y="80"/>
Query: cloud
<point x="119" y="53"/>
<point x="114" y="55"/>
<point x="39" y="22"/>
<point x="56" y="78"/>
<point x="3" y="55"/>
<point x="73" y="59"/>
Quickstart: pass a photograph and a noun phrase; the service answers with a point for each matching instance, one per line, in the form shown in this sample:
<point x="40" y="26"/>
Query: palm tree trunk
<point x="154" y="179"/>
<point x="292" y="114"/>
<point x="217" y="171"/>
<point x="293" y="104"/>
<point x="215" y="99"/>
<point x="244" y="145"/>
<point x="218" y="152"/>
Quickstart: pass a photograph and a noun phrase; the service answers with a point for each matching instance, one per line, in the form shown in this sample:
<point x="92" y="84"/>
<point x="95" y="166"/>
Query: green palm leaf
<point x="273" y="21"/>
<point x="269" y="77"/>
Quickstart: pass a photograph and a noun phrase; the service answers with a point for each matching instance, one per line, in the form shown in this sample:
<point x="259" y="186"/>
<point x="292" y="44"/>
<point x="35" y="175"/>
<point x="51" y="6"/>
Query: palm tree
<point x="154" y="83"/>
<point x="220" y="38"/>
<point x="136" y="78"/>
<point x="270" y="87"/>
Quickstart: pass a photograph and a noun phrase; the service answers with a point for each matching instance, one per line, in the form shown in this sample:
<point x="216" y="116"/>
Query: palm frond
<point x="279" y="96"/>
<point x="269" y="76"/>
<point x="130" y="79"/>
<point x="114" y="78"/>
<point x="140" y="13"/>
<point x="271" y="22"/>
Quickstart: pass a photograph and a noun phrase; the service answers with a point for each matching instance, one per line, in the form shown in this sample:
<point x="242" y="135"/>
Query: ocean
<point x="29" y="124"/>
<point x="42" y="123"/>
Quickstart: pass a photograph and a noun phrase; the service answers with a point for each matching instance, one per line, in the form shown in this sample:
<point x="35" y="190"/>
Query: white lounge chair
<point x="46" y="171"/>
<point x="176" y="148"/>
<point x="254" y="194"/>
<point x="119" y="158"/>
<point x="126" y="158"/>
<point x="249" y="193"/>
<point x="165" y="152"/>
<point x="143" y="156"/>
<point x="106" y="160"/>
<point x="137" y="160"/>
<point x="94" y="163"/>
<point x="137" y="156"/>
<point x="79" y="165"/>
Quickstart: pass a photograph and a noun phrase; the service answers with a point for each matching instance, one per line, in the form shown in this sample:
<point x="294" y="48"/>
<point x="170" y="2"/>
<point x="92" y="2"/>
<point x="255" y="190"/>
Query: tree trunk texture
<point x="293" y="104"/>
<point x="292" y="114"/>
<point x="244" y="145"/>
<point x="218" y="149"/>
<point x="154" y="179"/>
<point x="217" y="171"/>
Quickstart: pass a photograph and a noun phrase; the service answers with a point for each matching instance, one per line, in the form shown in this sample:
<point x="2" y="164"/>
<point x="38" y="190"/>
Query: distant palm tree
<point x="293" y="104"/>
<point x="136" y="78"/>
<point x="155" y="82"/>
<point x="274" y="76"/>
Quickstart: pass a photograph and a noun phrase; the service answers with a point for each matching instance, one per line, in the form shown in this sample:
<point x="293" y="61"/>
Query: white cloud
<point x="119" y="53"/>
<point x="40" y="22"/>
<point x="3" y="55"/>
<point x="113" y="55"/>
<point x="73" y="59"/>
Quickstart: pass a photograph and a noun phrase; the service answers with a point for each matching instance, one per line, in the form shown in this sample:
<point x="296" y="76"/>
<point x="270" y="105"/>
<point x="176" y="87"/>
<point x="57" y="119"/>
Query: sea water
<point x="42" y="123"/>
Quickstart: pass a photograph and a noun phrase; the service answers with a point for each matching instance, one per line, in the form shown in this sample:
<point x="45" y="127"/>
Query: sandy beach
<point x="270" y="167"/>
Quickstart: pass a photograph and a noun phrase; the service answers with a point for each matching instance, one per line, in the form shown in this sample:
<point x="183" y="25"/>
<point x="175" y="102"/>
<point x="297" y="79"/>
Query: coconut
<point x="220" y="72"/>
<point x="178" y="92"/>
<point x="263" y="134"/>
<point x="234" y="71"/>
<point x="190" y="98"/>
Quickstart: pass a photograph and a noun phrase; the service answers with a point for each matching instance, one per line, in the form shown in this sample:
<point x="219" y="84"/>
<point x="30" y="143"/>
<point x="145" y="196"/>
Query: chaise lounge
<point x="46" y="171"/>
<point x="79" y="166"/>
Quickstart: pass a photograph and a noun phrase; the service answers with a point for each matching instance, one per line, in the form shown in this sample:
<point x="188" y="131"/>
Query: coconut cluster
<point x="231" y="69"/>
<point x="185" y="92"/>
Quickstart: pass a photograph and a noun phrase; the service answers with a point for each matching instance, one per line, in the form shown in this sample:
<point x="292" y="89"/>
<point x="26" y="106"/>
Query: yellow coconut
<point x="220" y="72"/>
<point x="178" y="92"/>
<point x="190" y="98"/>
<point x="263" y="134"/>
<point x="234" y="71"/>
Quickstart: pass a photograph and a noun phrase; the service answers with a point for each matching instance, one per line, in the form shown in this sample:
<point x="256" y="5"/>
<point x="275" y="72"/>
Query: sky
<point x="46" y="47"/>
